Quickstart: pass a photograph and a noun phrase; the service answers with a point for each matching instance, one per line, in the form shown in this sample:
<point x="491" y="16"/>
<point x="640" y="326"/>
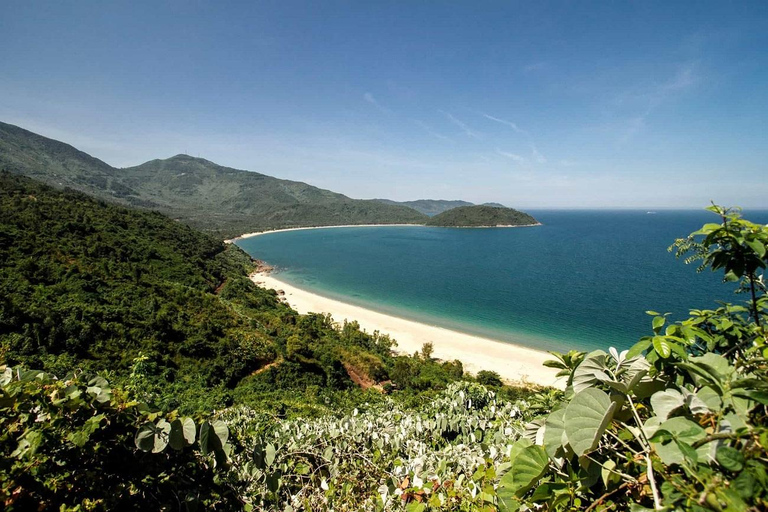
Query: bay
<point x="582" y="280"/>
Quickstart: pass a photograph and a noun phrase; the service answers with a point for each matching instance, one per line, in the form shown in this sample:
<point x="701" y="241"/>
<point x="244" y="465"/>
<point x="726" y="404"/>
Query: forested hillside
<point x="221" y="200"/>
<point x="481" y="216"/>
<point x="429" y="207"/>
<point x="86" y="284"/>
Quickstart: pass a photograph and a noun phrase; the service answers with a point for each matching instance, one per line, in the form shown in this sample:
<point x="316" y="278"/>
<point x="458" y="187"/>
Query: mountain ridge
<point x="183" y="187"/>
<point x="208" y="196"/>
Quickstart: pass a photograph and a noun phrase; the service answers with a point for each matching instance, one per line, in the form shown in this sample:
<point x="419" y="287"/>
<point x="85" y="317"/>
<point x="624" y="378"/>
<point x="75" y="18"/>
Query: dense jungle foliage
<point x="86" y="284"/>
<point x="239" y="403"/>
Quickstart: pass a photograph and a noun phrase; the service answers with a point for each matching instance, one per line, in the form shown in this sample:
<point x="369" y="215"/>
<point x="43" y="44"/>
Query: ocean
<point x="582" y="280"/>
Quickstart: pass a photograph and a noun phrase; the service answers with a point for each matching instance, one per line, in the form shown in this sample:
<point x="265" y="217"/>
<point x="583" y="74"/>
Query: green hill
<point x="482" y="216"/>
<point x="428" y="207"/>
<point x="218" y="199"/>
<point x="432" y="207"/>
<point x="87" y="284"/>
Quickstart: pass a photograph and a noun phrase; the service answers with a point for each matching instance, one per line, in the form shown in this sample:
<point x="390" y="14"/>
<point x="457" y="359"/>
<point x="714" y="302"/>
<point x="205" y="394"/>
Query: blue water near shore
<point x="583" y="279"/>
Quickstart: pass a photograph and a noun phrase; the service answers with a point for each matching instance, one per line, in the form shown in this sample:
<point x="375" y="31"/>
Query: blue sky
<point x="531" y="104"/>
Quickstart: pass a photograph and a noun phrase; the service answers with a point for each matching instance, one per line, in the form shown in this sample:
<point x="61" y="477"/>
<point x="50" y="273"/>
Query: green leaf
<point x="688" y="452"/>
<point x="673" y="431"/>
<point x="608" y="475"/>
<point x="744" y="485"/>
<point x="189" y="430"/>
<point x="221" y="431"/>
<point x="757" y="246"/>
<point x="153" y="438"/>
<point x="554" y="432"/>
<point x="662" y="346"/>
<point x="658" y="323"/>
<point x="586" y="417"/>
<point x="517" y="447"/>
<point x="710" y="398"/>
<point x="590" y="371"/>
<point x="209" y="442"/>
<point x="664" y="402"/>
<point x="415" y="506"/>
<point x="639" y="347"/>
<point x="730" y="458"/>
<point x="528" y="467"/>
<point x="176" y="439"/>
<point x="269" y="454"/>
<point x="717" y="365"/>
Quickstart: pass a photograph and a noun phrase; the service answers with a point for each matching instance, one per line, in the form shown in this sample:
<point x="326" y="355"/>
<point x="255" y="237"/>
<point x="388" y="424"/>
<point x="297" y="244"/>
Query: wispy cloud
<point x="430" y="131"/>
<point x="650" y="98"/>
<point x="536" y="156"/>
<point x="505" y="122"/>
<point x="469" y="132"/>
<point x="370" y="99"/>
<point x="511" y="156"/>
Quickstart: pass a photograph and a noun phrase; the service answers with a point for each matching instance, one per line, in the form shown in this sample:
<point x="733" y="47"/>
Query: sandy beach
<point x="270" y="231"/>
<point x="514" y="363"/>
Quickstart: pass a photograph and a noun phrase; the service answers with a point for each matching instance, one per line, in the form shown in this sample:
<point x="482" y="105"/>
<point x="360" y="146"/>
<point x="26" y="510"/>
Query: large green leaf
<point x="674" y="431"/>
<point x="554" y="432"/>
<point x="183" y="433"/>
<point x="527" y="468"/>
<point x="177" y="435"/>
<point x="221" y="431"/>
<point x="710" y="398"/>
<point x="730" y="458"/>
<point x="664" y="402"/>
<point x="586" y="417"/>
<point x="662" y="346"/>
<point x="153" y="437"/>
<point x="590" y="371"/>
<point x="209" y="441"/>
<point x="189" y="430"/>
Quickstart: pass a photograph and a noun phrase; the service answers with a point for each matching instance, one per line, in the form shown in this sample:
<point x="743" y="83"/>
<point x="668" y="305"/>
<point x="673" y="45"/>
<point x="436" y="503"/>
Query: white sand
<point x="514" y="363"/>
<point x="258" y="233"/>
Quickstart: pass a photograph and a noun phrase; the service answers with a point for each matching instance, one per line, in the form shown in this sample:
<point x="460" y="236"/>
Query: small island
<point x="482" y="216"/>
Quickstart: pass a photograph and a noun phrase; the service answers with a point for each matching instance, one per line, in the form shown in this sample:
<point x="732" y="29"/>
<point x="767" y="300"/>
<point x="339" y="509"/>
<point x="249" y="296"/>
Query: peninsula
<point x="482" y="216"/>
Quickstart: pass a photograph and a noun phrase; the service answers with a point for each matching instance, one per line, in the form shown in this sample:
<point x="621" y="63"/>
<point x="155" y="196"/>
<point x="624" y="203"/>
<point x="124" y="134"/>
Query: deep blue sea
<point x="583" y="279"/>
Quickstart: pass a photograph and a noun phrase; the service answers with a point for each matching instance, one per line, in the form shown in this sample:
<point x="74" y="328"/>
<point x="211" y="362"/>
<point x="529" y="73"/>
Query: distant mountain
<point x="482" y="216"/>
<point x="203" y="194"/>
<point x="432" y="207"/>
<point x="428" y="207"/>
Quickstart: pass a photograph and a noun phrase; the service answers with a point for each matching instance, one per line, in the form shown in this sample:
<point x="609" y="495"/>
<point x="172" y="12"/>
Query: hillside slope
<point x="428" y="207"/>
<point x="482" y="216"/>
<point x="218" y="199"/>
<point x="90" y="285"/>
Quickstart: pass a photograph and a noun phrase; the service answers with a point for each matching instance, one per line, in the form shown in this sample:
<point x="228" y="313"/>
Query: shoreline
<point x="514" y="363"/>
<point x="282" y="230"/>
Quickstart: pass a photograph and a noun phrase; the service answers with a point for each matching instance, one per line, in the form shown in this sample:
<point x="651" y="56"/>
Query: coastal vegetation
<point x="481" y="216"/>
<point x="143" y="369"/>
<point x="432" y="207"/>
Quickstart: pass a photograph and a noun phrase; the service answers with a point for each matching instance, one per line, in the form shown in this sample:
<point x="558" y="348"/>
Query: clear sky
<point x="531" y="104"/>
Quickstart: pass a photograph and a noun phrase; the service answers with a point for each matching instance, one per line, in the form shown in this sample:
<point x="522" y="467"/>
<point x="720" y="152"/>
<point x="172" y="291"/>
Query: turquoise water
<point x="581" y="280"/>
